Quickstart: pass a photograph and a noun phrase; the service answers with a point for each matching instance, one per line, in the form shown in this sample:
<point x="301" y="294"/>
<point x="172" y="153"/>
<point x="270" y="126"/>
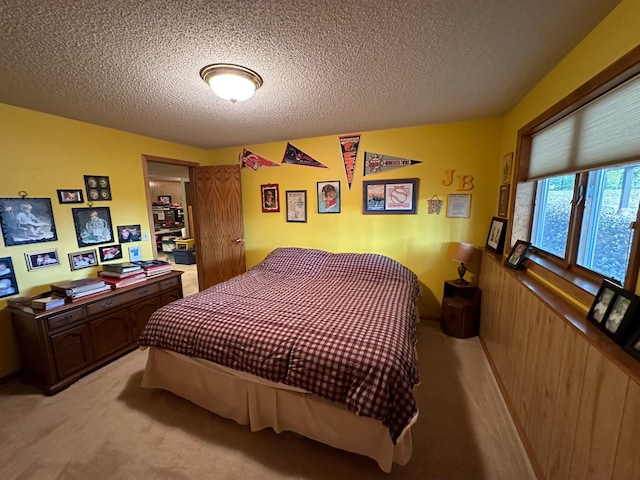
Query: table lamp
<point x="463" y="254"/>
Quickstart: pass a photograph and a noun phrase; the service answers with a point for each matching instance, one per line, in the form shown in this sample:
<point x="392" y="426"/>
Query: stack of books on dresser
<point x="74" y="290"/>
<point x="154" y="267"/>
<point x="122" y="274"/>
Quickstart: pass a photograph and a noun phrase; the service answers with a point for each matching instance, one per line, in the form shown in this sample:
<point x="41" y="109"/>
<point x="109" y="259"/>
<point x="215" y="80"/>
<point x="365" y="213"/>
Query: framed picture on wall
<point x="270" y="196"/>
<point x="80" y="260"/>
<point x="8" y="284"/>
<point x="98" y="187"/>
<point x="328" y="197"/>
<point x="503" y="200"/>
<point x="110" y="252"/>
<point x="70" y="196"/>
<point x="42" y="259"/>
<point x="296" y="205"/>
<point x="93" y="226"/>
<point x="128" y="233"/>
<point x="459" y="205"/>
<point x="166" y="199"/>
<point x="507" y="161"/>
<point x="390" y="196"/>
<point x="27" y="220"/>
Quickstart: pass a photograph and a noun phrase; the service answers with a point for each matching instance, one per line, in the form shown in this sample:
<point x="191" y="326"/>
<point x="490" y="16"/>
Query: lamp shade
<point x="463" y="252"/>
<point x="231" y="82"/>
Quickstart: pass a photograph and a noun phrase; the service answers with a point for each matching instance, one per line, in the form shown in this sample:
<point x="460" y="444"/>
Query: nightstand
<point x="460" y="309"/>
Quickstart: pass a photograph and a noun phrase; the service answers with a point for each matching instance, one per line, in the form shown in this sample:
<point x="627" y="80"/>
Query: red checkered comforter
<point x="341" y="326"/>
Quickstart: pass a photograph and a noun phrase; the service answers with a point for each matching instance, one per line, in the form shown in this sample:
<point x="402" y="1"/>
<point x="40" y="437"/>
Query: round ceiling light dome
<point x="231" y="82"/>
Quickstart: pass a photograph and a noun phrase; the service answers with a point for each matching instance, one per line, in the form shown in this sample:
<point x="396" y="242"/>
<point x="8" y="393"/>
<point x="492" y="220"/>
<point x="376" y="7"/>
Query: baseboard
<point x="7" y="379"/>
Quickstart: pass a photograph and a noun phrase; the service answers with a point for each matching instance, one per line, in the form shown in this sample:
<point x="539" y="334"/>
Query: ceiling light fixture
<point x="231" y="82"/>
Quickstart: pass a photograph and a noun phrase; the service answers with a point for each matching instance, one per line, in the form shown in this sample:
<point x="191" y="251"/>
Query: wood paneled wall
<point x="574" y="395"/>
<point x="165" y="187"/>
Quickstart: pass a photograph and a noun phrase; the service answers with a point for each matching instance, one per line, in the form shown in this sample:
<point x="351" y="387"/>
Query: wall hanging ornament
<point x="435" y="205"/>
<point x="377" y="163"/>
<point x="349" y="147"/>
<point x="296" y="156"/>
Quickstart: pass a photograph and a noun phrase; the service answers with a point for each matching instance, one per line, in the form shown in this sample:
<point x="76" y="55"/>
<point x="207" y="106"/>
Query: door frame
<point x="147" y="191"/>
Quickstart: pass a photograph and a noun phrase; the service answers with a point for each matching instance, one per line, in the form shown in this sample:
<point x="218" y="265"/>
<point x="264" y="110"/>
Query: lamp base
<point x="461" y="271"/>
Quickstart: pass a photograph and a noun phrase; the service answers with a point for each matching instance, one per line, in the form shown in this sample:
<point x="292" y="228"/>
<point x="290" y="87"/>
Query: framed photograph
<point x="518" y="253"/>
<point x="459" y="205"/>
<point x="80" y="260"/>
<point x="296" y="205"/>
<point x="602" y="302"/>
<point x="27" y="220"/>
<point x="93" y="226"/>
<point x="270" y="196"/>
<point x="70" y="196"/>
<point x="110" y="252"/>
<point x="128" y="233"/>
<point x="8" y="284"/>
<point x="328" y="197"/>
<point x="503" y="200"/>
<point x="632" y="346"/>
<point x="496" y="236"/>
<point x="390" y="196"/>
<point x="97" y="187"/>
<point x="507" y="161"/>
<point x="613" y="310"/>
<point x="164" y="198"/>
<point x="135" y="253"/>
<point x="42" y="259"/>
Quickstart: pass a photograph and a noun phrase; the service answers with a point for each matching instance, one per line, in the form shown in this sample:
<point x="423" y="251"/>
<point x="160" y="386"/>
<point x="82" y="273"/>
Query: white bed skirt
<point x="221" y="392"/>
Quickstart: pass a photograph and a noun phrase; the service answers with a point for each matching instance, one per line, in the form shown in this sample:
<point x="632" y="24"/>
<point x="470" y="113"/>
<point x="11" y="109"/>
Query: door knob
<point x="239" y="240"/>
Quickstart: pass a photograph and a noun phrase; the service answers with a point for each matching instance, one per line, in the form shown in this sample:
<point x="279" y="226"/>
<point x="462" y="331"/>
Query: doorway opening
<point x="171" y="221"/>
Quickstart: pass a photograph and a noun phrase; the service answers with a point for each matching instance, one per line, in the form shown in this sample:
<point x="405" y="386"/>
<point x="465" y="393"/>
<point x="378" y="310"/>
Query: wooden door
<point x="219" y="233"/>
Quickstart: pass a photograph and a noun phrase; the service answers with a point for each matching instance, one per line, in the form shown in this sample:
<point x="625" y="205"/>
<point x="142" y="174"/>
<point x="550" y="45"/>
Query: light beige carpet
<point x="106" y="427"/>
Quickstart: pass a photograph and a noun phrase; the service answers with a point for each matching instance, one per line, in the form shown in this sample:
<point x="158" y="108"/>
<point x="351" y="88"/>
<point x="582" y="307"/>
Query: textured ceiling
<point x="329" y="66"/>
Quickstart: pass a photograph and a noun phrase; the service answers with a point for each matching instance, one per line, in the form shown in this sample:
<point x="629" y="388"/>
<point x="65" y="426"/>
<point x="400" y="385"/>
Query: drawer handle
<point x="106" y="304"/>
<point x="143" y="292"/>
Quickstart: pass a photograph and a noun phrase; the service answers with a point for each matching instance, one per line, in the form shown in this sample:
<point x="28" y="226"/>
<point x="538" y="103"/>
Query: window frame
<point x="577" y="281"/>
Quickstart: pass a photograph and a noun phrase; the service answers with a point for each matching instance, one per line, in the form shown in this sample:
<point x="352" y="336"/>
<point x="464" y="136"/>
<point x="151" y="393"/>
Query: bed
<point x="318" y="343"/>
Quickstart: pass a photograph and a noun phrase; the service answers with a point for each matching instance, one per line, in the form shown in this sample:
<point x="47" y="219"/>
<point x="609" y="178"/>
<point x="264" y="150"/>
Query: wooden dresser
<point x="59" y="346"/>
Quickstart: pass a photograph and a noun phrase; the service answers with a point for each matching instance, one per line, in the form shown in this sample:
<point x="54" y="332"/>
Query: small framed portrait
<point x="27" y="220"/>
<point x="128" y="233"/>
<point x="602" y="302"/>
<point x="329" y="197"/>
<point x="97" y="187"/>
<point x="296" y="206"/>
<point x="270" y="196"/>
<point x="503" y="200"/>
<point x="8" y="284"/>
<point x="507" y="161"/>
<point x="496" y="236"/>
<point x="70" y="196"/>
<point x="518" y="254"/>
<point x="135" y="253"/>
<point x="390" y="196"/>
<point x="93" y="226"/>
<point x="632" y="345"/>
<point x="80" y="260"/>
<point x="166" y="199"/>
<point x="42" y="259"/>
<point x="613" y="310"/>
<point x="110" y="252"/>
<point x="459" y="205"/>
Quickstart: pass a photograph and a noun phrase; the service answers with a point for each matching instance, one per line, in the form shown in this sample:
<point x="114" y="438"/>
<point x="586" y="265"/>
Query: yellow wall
<point x="421" y="242"/>
<point x="42" y="153"/>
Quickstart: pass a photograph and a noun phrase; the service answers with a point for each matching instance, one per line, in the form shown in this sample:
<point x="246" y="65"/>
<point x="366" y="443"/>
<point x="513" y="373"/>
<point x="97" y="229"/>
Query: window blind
<point x="604" y="132"/>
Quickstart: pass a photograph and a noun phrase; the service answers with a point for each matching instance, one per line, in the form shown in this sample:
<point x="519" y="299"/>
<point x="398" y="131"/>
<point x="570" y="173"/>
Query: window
<point x="579" y="172"/>
<point x="604" y="216"/>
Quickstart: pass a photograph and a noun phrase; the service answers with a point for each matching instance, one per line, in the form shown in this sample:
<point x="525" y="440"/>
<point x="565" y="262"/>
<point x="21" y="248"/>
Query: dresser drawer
<point x="69" y="317"/>
<point x="169" y="283"/>
<point x="116" y="301"/>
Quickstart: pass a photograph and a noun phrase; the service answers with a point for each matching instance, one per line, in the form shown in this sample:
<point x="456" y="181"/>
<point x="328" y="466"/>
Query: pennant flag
<point x="349" y="147"/>
<point x="251" y="160"/>
<point x="376" y="163"/>
<point x="298" y="157"/>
